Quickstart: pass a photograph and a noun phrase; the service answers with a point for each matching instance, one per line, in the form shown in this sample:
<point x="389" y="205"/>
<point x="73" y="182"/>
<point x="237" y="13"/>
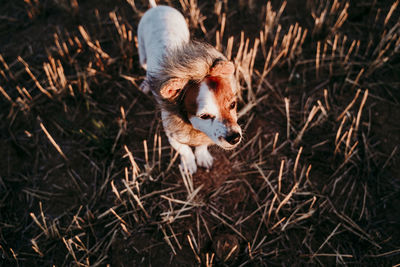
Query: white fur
<point x="161" y="28"/>
<point x="206" y="102"/>
<point x="203" y="157"/>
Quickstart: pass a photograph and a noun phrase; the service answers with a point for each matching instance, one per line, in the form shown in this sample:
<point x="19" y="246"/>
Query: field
<point x="88" y="178"/>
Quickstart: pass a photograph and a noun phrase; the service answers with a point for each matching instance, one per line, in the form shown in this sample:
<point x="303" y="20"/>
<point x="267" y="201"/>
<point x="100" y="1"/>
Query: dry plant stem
<point x="56" y="146"/>
<point x="311" y="115"/>
<point x="166" y="238"/>
<point x="360" y="109"/>
<point x="6" y="95"/>
<point x="287" y="198"/>
<point x="230" y="253"/>
<point x="349" y="106"/>
<point x="38" y="85"/>
<point x="209" y="261"/>
<point x="146" y="153"/>
<point x="135" y="167"/>
<point x="262" y="220"/>
<point x="327" y="239"/>
<point x="275" y="142"/>
<point x="339" y="131"/>
<point x="7" y="67"/>
<point x="297" y="163"/>
<point x="317" y="60"/>
<point x="280" y="176"/>
<point x="174" y="236"/>
<point x="136" y="198"/>
<point x="195" y="253"/>
<point x="267" y="181"/>
<point x="287" y="103"/>
<point x="392" y="9"/>
<point x="355" y="82"/>
<point x="95" y="47"/>
<point x="227" y="224"/>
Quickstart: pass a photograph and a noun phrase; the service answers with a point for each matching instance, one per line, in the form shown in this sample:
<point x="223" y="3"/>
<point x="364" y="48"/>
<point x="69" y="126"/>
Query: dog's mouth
<point x="227" y="147"/>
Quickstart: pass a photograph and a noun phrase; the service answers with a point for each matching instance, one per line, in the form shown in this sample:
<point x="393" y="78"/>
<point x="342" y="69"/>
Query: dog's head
<point x="210" y="104"/>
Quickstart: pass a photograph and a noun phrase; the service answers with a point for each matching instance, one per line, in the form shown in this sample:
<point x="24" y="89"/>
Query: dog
<point x="193" y="84"/>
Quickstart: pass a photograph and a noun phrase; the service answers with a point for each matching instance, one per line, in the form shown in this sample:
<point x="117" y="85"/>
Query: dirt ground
<point x="87" y="177"/>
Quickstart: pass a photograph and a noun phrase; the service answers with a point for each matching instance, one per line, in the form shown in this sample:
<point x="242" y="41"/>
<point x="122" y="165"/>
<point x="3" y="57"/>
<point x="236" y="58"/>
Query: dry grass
<point x="87" y="177"/>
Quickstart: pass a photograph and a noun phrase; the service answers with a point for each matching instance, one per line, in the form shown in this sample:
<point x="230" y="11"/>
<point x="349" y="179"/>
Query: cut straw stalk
<point x="327" y="239"/>
<point x="266" y="179"/>
<point x="6" y="67"/>
<point x="360" y="109"/>
<point x="317" y="60"/>
<point x="42" y="226"/>
<point x="174" y="236"/>
<point x="297" y="162"/>
<point x="188" y="202"/>
<point x="230" y="253"/>
<point x="38" y="85"/>
<point x="280" y="176"/>
<point x="287" y="108"/>
<point x="136" y="198"/>
<point x="276" y="137"/>
<point x="341" y="19"/>
<point x="339" y="131"/>
<point x="229" y="225"/>
<point x="135" y="167"/>
<point x="262" y="220"/>
<point x="311" y="115"/>
<point x="68" y="244"/>
<point x="4" y="93"/>
<point x="390" y="13"/>
<point x="346" y="59"/>
<point x="56" y="146"/>
<point x="209" y="260"/>
<point x="287" y="198"/>
<point x="349" y="105"/>
<point x="96" y="47"/>
<point x="36" y="248"/>
<point x="194" y="251"/>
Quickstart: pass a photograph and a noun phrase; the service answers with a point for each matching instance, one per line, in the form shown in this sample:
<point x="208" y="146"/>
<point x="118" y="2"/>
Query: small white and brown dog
<point x="194" y="86"/>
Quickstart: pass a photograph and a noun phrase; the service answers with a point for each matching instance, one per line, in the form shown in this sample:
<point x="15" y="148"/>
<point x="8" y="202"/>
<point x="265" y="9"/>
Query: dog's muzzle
<point x="233" y="138"/>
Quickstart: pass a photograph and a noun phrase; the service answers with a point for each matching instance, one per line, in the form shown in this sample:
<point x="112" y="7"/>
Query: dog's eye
<point x="232" y="105"/>
<point x="206" y="116"/>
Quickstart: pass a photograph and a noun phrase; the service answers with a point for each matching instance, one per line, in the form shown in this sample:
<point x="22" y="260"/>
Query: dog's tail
<point x="152" y="3"/>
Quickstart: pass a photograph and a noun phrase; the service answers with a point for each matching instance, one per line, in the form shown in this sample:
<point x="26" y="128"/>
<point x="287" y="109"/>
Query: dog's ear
<point x="222" y="69"/>
<point x="171" y="88"/>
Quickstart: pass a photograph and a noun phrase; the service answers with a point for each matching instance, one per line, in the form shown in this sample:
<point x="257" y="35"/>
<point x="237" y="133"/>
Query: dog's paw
<point x="188" y="163"/>
<point x="145" y="87"/>
<point x="204" y="158"/>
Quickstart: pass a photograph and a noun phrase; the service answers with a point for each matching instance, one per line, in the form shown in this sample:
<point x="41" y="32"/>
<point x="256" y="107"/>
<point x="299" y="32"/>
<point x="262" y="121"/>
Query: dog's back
<point x="161" y="28"/>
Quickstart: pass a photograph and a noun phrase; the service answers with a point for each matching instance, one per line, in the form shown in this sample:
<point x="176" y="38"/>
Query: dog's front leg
<point x="188" y="161"/>
<point x="203" y="157"/>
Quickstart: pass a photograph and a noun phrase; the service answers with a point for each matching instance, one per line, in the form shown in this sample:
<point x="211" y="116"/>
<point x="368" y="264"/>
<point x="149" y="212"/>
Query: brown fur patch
<point x="190" y="99"/>
<point x="224" y="96"/>
<point x="222" y="69"/>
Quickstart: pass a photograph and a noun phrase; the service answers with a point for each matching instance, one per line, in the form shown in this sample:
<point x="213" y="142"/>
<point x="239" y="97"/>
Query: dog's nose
<point x="233" y="138"/>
